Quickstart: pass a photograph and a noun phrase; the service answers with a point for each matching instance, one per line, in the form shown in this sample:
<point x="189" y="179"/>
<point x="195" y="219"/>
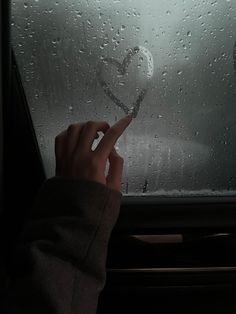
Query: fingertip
<point x="129" y="117"/>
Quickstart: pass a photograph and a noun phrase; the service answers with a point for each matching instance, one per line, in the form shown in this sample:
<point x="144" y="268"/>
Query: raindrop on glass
<point x="70" y="109"/>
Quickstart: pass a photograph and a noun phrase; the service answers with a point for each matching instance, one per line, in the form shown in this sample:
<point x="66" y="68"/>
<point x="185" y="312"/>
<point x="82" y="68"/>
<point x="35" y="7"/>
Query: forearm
<point x="62" y="252"/>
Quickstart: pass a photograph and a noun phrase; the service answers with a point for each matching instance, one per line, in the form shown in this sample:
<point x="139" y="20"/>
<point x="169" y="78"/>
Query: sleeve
<point x="59" y="266"/>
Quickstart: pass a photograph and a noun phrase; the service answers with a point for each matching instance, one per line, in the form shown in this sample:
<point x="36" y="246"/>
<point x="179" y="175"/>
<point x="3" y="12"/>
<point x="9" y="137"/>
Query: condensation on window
<point x="172" y="64"/>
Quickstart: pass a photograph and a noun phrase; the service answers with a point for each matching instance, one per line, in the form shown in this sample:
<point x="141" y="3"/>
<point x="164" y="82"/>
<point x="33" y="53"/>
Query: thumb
<point x="114" y="176"/>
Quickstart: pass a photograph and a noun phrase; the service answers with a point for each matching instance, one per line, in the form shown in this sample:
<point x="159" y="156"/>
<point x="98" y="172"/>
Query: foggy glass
<point x="171" y="63"/>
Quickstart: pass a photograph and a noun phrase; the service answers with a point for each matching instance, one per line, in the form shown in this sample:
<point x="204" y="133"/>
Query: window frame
<point x="154" y="212"/>
<point x="151" y="211"/>
<point x="5" y="65"/>
<point x="175" y="212"/>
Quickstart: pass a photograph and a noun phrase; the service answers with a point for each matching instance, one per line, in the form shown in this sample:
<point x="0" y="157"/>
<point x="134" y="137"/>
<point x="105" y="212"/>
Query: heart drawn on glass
<point x="122" y="70"/>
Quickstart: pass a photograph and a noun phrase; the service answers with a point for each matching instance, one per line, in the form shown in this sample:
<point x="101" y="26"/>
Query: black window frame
<point x="23" y="171"/>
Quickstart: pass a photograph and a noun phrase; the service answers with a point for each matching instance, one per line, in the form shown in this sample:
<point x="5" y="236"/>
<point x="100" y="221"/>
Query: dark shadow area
<point x="189" y="300"/>
<point x="23" y="171"/>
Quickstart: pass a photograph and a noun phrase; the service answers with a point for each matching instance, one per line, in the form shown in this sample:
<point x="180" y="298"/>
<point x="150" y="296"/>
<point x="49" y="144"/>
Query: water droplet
<point x="189" y="34"/>
<point x="81" y="51"/>
<point x="78" y="13"/>
<point x="168" y="12"/>
<point x="164" y="73"/>
<point x="25" y="5"/>
<point x="70" y="109"/>
<point x="130" y="112"/>
<point x="179" y="72"/>
<point x="123" y="27"/>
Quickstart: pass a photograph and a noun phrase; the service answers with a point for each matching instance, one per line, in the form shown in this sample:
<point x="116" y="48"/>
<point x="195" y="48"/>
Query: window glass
<point x="171" y="63"/>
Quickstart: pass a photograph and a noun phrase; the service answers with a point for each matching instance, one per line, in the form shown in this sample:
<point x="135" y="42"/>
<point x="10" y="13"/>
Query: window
<point x="172" y="63"/>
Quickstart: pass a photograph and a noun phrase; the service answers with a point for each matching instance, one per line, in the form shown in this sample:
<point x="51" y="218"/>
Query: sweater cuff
<point x="72" y="197"/>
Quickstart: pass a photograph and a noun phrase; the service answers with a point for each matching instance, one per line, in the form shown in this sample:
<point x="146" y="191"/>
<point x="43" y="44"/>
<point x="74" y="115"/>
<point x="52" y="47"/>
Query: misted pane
<point x="172" y="64"/>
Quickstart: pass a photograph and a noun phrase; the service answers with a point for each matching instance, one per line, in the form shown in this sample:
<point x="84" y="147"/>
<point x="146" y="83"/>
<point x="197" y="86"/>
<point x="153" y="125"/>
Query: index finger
<point x="111" y="136"/>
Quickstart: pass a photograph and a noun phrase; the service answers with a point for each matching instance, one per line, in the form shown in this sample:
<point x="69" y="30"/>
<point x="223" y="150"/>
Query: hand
<point x="75" y="158"/>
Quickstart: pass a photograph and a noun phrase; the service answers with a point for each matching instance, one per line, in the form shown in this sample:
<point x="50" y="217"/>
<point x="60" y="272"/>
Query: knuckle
<point x="106" y="124"/>
<point x="71" y="128"/>
<point x="58" y="138"/>
<point x="90" y="123"/>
